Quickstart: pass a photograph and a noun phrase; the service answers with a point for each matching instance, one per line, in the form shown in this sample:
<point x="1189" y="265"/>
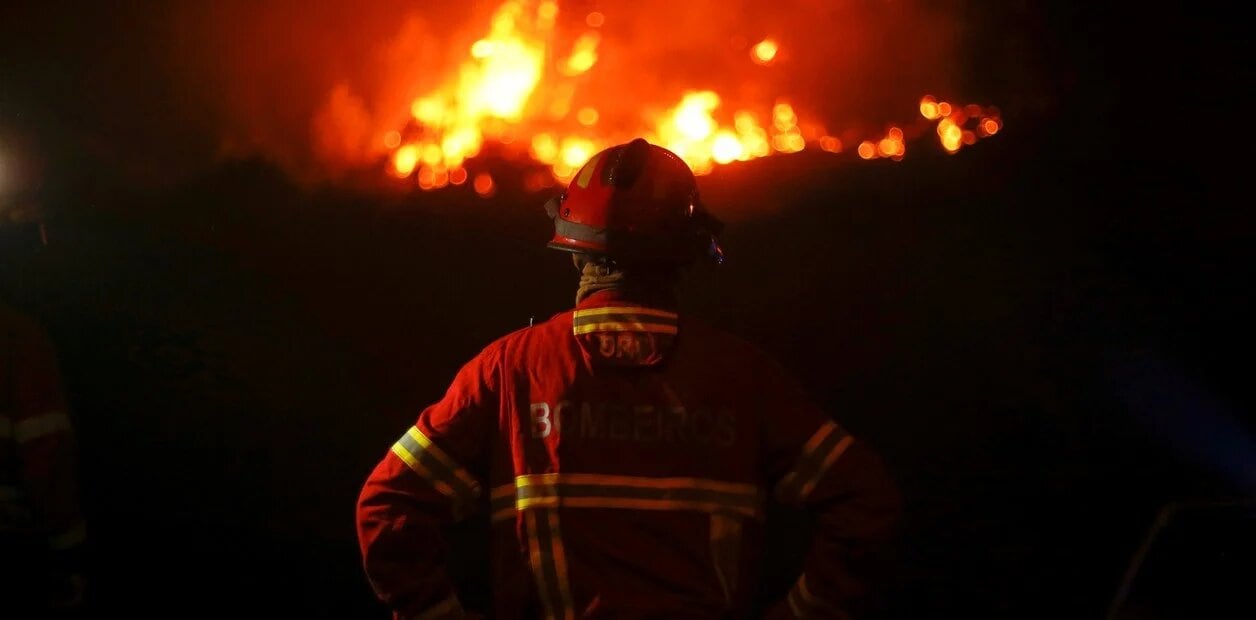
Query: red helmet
<point x="636" y="202"/>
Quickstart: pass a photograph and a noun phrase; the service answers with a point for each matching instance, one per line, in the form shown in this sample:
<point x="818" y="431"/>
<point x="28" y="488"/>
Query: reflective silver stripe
<point x="446" y="476"/>
<point x="6" y="427"/>
<point x="68" y="538"/>
<point x="41" y="426"/>
<point x="449" y="608"/>
<point x="818" y="454"/>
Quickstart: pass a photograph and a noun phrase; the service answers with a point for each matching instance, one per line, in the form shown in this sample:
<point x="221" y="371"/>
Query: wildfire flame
<point x="519" y="88"/>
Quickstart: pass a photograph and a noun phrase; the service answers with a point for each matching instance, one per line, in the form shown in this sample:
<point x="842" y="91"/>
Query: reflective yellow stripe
<point x="69" y="538"/>
<point x="40" y="426"/>
<point x="623" y="319"/>
<point x="589" y="312"/>
<point x="587" y="173"/>
<point x="645" y="482"/>
<point x="549" y="564"/>
<point x="432" y="464"/>
<point x="818" y="454"/>
<point x="620" y="326"/>
<point x="626" y="492"/>
<point x="449" y="608"/>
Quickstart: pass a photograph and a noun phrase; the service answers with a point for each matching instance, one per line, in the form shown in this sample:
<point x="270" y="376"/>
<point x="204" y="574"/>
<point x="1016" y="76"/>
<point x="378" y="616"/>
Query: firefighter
<point x="623" y="450"/>
<point x="42" y="529"/>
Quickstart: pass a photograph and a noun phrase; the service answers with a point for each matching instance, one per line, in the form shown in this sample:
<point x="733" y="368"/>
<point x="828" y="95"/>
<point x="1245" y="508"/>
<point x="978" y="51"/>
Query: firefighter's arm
<point x="423" y="483"/>
<point x="844" y="483"/>
<point x="47" y="452"/>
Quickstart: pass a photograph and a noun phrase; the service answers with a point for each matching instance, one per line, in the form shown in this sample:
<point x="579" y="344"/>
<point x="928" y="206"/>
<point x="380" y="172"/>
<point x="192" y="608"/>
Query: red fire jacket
<point x="39" y="492"/>
<point x="626" y="454"/>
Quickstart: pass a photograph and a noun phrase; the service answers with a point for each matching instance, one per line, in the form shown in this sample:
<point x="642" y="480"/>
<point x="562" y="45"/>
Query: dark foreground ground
<point x="1045" y="364"/>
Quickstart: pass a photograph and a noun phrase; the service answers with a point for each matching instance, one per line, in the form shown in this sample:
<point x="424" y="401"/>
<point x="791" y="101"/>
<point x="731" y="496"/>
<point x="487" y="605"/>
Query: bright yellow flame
<point x="583" y="54"/>
<point x="764" y="51"/>
<point x="545" y="148"/>
<point x="726" y="147"/>
<point x="576" y="151"/>
<point x="518" y="87"/>
<point x="950" y="134"/>
<point x="405" y="159"/>
<point x="692" y="117"/>
<point x="929" y="108"/>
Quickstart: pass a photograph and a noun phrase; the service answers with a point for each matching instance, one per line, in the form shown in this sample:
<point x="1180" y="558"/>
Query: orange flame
<point x="520" y="85"/>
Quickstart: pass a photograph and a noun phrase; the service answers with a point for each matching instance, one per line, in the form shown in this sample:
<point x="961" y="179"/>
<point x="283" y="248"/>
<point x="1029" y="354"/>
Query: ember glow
<point x="523" y="88"/>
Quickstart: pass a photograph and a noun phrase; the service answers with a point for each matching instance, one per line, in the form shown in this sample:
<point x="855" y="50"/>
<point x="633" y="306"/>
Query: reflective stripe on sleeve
<point x="41" y="426"/>
<point x="431" y="463"/>
<point x="818" y="454"/>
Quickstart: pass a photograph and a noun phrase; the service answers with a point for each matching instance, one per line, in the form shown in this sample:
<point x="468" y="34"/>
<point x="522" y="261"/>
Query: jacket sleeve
<point x="424" y="482"/>
<point x="45" y="446"/>
<point x="816" y="464"/>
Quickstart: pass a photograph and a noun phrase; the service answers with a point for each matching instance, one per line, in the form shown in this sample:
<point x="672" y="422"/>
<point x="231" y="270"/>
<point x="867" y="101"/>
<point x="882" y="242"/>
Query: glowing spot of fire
<point x="726" y="148"/>
<point x="431" y="154"/>
<point x="458" y="176"/>
<point x="545" y="148"/>
<point x="692" y="117"/>
<point x="429" y="111"/>
<point x="405" y="159"/>
<point x="764" y="51"/>
<point x="950" y="134"/>
<point x="576" y="151"/>
<point x="929" y="108"/>
<point x="783" y="117"/>
<point x="483" y="184"/>
<point x="583" y="54"/>
<point x="518" y="86"/>
<point x="482" y="48"/>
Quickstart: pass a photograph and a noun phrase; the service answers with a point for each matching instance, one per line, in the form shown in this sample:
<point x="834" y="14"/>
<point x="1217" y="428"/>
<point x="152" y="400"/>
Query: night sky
<point x="1046" y="334"/>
